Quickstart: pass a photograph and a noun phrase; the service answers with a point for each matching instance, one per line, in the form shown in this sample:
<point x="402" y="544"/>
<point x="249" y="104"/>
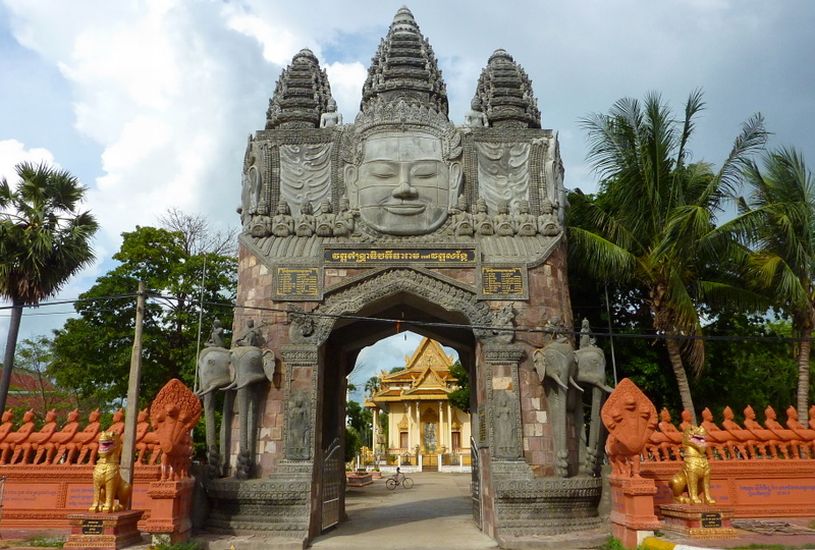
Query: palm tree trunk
<point x="11" y="345"/>
<point x="681" y="376"/>
<point x="803" y="375"/>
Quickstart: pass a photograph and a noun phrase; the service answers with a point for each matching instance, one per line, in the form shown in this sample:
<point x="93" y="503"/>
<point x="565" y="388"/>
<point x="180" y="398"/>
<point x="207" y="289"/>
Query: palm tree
<point x="372" y="386"/>
<point x="44" y="240"/>
<point x="778" y="220"/>
<point x="653" y="222"/>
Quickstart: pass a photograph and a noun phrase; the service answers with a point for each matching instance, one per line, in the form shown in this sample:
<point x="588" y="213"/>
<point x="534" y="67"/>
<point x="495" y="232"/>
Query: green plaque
<point x="92" y="526"/>
<point x="711" y="519"/>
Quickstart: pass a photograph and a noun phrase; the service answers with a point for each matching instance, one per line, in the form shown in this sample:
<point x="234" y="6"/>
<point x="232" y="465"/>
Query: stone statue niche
<point x="239" y="372"/>
<point x="566" y="373"/>
<point x="403" y="182"/>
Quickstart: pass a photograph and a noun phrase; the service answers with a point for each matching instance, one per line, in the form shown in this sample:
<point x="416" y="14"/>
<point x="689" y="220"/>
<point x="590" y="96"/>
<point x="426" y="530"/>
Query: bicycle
<point x="398" y="479"/>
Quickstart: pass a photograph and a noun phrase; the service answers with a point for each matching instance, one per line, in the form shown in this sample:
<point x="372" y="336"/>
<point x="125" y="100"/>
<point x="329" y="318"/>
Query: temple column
<point x="441" y="427"/>
<point x="374" y="416"/>
<point x="409" y="413"/>
<point x="450" y="425"/>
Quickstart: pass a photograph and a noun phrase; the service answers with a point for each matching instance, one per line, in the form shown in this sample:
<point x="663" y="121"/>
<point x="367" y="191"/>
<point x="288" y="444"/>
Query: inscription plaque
<point x="502" y="282"/>
<point x="92" y="526"/>
<point x="297" y="282"/>
<point x="711" y="519"/>
<point x="425" y="256"/>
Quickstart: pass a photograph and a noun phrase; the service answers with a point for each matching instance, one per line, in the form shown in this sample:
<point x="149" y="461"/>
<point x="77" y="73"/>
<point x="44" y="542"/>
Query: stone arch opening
<point x="337" y="357"/>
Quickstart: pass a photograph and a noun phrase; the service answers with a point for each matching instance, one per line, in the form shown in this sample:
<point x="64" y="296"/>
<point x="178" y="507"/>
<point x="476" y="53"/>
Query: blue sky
<point x="149" y="102"/>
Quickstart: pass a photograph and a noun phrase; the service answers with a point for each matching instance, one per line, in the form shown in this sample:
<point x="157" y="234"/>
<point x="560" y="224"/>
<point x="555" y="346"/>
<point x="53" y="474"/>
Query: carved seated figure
<point x="483" y="221"/>
<point x="7" y="425"/>
<point x="742" y="438"/>
<point x="117" y="425"/>
<point x="344" y="219"/>
<point x="503" y="221"/>
<point x="667" y="439"/>
<point x="548" y="225"/>
<point x="85" y="441"/>
<point x="462" y="221"/>
<point x="324" y="221"/>
<point x="18" y="437"/>
<point x="476" y="118"/>
<point x="721" y="439"/>
<point x="687" y="420"/>
<point x="525" y="223"/>
<point x="805" y="434"/>
<point x="305" y="223"/>
<point x="146" y="440"/>
<point x="282" y="222"/>
<point x="785" y="439"/>
<point x="764" y="439"/>
<point x="330" y="117"/>
<point x="58" y="445"/>
<point x="38" y="440"/>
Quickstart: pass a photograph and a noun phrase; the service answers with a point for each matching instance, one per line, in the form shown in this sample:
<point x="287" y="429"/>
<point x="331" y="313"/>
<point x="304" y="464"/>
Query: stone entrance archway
<point x="403" y="216"/>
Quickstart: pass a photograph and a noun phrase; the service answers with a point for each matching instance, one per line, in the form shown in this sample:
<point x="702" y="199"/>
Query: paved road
<point x="436" y="513"/>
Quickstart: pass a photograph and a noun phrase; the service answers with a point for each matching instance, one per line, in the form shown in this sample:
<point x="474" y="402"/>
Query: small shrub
<point x="46" y="542"/>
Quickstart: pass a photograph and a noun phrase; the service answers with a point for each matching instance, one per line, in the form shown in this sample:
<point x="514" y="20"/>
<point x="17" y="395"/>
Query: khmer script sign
<point x="449" y="257"/>
<point x="503" y="282"/>
<point x="297" y="283"/>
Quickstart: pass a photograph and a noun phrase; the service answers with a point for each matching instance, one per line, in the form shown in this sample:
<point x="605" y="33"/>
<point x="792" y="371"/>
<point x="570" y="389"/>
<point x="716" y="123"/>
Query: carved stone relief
<point x="305" y="175"/>
<point x="298" y="434"/>
<point x="503" y="173"/>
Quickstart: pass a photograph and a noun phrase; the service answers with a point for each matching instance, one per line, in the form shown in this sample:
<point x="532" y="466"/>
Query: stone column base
<point x="698" y="520"/>
<point x="106" y="531"/>
<point x="170" y="510"/>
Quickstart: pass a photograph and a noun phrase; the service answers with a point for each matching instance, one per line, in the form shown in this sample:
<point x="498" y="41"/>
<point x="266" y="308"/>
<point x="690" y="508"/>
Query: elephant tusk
<point x="202" y="393"/>
<point x="573" y="383"/>
<point x="230" y="386"/>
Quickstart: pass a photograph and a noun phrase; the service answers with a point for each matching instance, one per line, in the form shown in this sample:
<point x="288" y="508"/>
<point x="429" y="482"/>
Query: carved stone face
<point x="403" y="185"/>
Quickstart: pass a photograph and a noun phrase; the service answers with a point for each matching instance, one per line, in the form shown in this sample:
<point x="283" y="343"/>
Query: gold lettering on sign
<point x="297" y="281"/>
<point x="462" y="256"/>
<point x="502" y="281"/>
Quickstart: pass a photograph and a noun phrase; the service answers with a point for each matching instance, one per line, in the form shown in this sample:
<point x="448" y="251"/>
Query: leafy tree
<point x="44" y="240"/>
<point x="353" y="443"/>
<point x="372" y="386"/>
<point x="92" y="352"/>
<point x="653" y="221"/>
<point x="34" y="357"/>
<point x="361" y="419"/>
<point x="460" y="397"/>
<point x="777" y="218"/>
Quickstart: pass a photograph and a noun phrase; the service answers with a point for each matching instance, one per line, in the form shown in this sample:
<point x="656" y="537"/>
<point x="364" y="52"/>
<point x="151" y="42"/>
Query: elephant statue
<point x="556" y="363"/>
<point x="591" y="371"/>
<point x="236" y="372"/>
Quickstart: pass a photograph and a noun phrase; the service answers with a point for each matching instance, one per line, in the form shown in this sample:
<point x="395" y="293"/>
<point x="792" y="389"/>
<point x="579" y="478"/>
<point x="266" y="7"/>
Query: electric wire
<point x="552" y="330"/>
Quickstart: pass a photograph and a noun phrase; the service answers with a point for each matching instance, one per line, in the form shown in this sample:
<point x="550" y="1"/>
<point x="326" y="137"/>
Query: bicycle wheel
<point x="407" y="482"/>
<point x="391" y="483"/>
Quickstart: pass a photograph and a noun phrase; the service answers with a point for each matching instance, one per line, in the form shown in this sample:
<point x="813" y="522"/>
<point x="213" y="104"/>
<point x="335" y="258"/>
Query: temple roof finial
<point x="302" y="94"/>
<point x="405" y="68"/>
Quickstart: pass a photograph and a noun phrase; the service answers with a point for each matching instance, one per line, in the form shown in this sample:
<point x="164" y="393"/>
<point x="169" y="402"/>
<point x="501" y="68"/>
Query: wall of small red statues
<point x="48" y="473"/>
<point x="760" y="469"/>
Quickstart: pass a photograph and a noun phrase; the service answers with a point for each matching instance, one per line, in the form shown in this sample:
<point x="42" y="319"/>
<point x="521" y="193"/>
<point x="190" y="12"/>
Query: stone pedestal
<point x="632" y="509"/>
<point x="106" y="531"/>
<point x="169" y="518"/>
<point x="698" y="520"/>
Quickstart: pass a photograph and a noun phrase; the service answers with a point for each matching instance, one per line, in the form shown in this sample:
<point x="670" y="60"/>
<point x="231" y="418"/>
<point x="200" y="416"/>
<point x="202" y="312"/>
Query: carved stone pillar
<point x="300" y="396"/>
<point x="504" y="410"/>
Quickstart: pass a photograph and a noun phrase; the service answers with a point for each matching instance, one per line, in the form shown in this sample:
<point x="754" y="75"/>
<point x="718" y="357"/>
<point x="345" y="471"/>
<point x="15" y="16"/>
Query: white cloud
<point x="346" y="86"/>
<point x="13" y="152"/>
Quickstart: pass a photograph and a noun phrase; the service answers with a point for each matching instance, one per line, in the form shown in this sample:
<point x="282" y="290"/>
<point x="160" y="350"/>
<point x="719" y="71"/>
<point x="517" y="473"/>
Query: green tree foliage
<point x="653" y="222"/>
<point x="361" y="419"/>
<point x="34" y="357"/>
<point x="44" y="240"/>
<point x="92" y="352"/>
<point x="777" y="219"/>
<point x="460" y="397"/>
<point x="353" y="443"/>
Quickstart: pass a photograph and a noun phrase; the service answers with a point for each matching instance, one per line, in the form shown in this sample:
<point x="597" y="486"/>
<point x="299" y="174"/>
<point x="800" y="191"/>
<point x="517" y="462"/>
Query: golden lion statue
<point x="695" y="473"/>
<point x="108" y="485"/>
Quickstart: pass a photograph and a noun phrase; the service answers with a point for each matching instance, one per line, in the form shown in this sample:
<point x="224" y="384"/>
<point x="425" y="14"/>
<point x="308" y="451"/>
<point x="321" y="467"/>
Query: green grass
<point x="189" y="545"/>
<point x="45" y="542"/>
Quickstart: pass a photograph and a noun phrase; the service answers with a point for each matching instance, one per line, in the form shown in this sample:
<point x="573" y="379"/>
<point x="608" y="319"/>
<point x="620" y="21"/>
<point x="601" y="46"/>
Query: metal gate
<point x="475" y="488"/>
<point x="332" y="484"/>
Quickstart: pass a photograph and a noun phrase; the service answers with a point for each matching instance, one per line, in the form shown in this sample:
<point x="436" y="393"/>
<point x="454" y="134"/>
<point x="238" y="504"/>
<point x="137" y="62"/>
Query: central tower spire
<point x="405" y="68"/>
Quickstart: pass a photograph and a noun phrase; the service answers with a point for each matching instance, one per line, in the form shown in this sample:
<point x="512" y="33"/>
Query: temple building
<point x="420" y="414"/>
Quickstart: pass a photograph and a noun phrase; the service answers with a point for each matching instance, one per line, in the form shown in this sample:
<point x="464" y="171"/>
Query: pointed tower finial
<point x="504" y="94"/>
<point x="302" y="94"/>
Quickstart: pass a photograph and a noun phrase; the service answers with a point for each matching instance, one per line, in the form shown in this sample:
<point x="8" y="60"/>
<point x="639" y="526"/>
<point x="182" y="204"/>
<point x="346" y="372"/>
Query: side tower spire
<point x="504" y="94"/>
<point x="301" y="96"/>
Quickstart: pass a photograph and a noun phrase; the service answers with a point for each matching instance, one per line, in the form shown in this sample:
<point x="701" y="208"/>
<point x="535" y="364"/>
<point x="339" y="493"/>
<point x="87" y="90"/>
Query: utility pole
<point x="126" y="462"/>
